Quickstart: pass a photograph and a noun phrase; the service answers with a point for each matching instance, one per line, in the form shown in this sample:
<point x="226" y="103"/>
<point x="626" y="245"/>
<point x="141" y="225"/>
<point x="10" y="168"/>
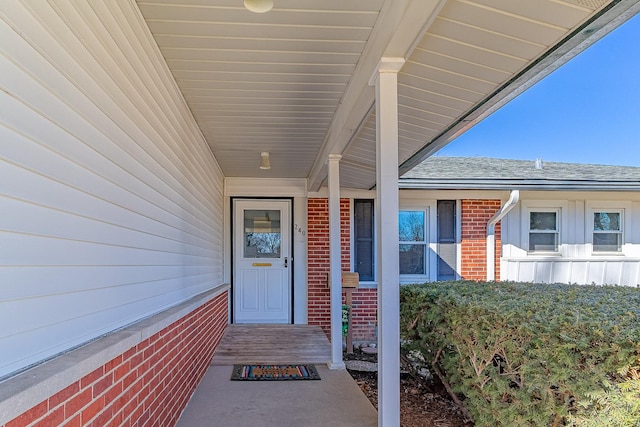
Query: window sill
<point x="368" y="285"/>
<point x="608" y="254"/>
<point x="410" y="279"/>
<point x="545" y="254"/>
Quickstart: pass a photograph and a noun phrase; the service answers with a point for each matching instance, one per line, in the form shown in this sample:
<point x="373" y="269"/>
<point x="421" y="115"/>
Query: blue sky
<point x="587" y="111"/>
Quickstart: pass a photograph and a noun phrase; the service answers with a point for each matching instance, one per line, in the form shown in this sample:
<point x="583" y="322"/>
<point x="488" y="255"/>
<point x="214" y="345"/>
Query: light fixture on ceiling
<point x="265" y="163"/>
<point x="258" y="6"/>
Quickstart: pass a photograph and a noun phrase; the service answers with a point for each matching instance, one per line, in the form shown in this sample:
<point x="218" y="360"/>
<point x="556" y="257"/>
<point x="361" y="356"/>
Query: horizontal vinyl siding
<point x="111" y="205"/>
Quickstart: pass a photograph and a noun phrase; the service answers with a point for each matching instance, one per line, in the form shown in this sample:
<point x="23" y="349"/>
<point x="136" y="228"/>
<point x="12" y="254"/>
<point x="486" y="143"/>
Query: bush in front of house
<point x="522" y="354"/>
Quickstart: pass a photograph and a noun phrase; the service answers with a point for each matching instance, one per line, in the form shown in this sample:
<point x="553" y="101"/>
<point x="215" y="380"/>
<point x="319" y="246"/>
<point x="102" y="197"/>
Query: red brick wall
<point x="474" y="217"/>
<point x="148" y="385"/>
<point x="365" y="314"/>
<point x="319" y="304"/>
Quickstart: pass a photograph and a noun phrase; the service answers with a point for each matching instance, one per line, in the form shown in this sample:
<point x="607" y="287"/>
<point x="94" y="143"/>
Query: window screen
<point x="413" y="243"/>
<point x="607" y="232"/>
<point x="543" y="231"/>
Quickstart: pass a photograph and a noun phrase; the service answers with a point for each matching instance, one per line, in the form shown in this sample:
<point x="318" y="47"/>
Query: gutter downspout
<point x="491" y="228"/>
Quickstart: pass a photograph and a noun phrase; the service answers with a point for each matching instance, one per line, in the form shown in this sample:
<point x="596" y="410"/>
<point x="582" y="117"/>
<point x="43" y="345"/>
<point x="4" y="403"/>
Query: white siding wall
<point x="574" y="262"/>
<point x="111" y="204"/>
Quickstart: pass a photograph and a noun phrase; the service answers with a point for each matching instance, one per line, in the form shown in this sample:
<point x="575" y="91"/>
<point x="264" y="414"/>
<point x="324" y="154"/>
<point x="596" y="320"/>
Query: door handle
<point x="285" y="262"/>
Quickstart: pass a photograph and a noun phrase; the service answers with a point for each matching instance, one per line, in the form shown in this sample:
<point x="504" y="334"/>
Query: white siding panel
<point x="36" y="189"/>
<point x="543" y="272"/>
<point x="622" y="272"/>
<point x="111" y="203"/>
<point x="561" y="272"/>
<point x="21" y="282"/>
<point x="633" y="229"/>
<point x="526" y="272"/>
<point x="25" y="218"/>
<point x="595" y="272"/>
<point x="630" y="274"/>
<point x="85" y="325"/>
<point x="580" y="272"/>
<point x="68" y="138"/>
<point x="612" y="272"/>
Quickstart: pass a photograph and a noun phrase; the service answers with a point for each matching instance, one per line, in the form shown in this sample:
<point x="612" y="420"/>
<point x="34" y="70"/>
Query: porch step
<point x="253" y="343"/>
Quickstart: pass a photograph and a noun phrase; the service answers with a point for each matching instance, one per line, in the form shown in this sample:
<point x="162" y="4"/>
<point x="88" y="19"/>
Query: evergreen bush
<point x="522" y="354"/>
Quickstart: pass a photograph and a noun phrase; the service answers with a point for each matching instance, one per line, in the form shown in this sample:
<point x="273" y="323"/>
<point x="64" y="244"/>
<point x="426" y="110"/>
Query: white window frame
<point x="623" y="208"/>
<point x="559" y="208"/>
<point x="426" y="243"/>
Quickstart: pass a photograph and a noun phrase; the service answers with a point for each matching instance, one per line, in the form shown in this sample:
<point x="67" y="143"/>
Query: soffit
<point x="262" y="82"/>
<point x="277" y="81"/>
<point x="471" y="50"/>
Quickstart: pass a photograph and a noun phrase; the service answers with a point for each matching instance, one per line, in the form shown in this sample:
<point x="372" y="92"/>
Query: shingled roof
<point x="491" y="173"/>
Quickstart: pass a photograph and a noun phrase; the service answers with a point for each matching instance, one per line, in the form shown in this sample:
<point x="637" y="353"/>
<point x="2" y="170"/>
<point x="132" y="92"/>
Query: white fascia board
<point x="518" y="185"/>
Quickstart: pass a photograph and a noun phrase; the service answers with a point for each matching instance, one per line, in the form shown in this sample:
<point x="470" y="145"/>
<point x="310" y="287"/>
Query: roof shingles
<point x="493" y="172"/>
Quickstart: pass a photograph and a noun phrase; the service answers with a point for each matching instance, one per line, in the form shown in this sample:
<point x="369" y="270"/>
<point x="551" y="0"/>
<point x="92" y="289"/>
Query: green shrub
<point x="519" y="354"/>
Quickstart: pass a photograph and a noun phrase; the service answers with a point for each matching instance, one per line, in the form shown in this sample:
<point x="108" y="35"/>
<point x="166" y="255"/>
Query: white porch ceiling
<point x="293" y="81"/>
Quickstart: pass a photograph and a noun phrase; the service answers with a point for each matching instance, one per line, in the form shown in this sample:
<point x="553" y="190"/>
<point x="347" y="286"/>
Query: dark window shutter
<point x="446" y="240"/>
<point x="363" y="238"/>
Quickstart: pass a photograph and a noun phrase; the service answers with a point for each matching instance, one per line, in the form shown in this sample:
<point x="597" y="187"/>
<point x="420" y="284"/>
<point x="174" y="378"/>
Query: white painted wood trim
<point x="267" y="187"/>
<point x="388" y="263"/>
<point x="335" y="261"/>
<point x="351" y="193"/>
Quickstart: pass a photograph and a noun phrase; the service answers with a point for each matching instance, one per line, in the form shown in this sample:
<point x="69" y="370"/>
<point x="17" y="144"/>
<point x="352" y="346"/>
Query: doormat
<point x="274" y="372"/>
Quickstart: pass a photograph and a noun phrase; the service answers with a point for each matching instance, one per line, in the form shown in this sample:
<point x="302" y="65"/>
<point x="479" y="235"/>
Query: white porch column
<point x="386" y="81"/>
<point x="335" y="262"/>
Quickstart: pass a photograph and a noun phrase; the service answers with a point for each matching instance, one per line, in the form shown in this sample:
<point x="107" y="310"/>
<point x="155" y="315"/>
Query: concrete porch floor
<point x="335" y="400"/>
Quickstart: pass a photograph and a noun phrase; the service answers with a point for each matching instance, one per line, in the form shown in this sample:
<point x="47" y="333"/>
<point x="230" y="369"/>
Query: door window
<point x="262" y="234"/>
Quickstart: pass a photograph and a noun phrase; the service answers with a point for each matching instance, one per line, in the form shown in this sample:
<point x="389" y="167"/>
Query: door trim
<point x="232" y="223"/>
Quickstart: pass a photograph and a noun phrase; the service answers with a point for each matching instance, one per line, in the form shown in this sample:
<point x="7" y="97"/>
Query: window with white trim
<point x="607" y="231"/>
<point x="544" y="230"/>
<point x="413" y="242"/>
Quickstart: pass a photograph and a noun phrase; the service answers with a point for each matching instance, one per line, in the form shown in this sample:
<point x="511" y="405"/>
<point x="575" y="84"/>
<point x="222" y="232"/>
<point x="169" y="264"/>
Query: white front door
<point x="262" y="261"/>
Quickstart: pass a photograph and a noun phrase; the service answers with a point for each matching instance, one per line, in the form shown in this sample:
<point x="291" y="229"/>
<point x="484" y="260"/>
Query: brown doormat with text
<point x="274" y="372"/>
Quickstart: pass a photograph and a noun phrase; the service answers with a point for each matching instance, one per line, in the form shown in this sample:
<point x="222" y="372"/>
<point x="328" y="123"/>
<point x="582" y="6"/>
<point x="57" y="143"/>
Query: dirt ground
<point x="422" y="403"/>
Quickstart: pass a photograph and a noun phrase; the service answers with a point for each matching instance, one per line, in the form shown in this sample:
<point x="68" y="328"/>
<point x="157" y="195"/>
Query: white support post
<point x="335" y="262"/>
<point x="386" y="82"/>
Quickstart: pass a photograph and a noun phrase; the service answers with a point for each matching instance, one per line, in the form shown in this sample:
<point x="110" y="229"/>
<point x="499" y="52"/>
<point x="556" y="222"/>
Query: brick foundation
<point x="148" y="385"/>
<point x="475" y="214"/>
<point x="365" y="314"/>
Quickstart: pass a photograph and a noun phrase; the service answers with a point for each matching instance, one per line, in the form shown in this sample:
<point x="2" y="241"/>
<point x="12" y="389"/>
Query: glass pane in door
<point x="262" y="234"/>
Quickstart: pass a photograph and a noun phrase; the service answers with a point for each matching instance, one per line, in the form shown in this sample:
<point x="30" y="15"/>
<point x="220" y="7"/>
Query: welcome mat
<point x="274" y="372"/>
